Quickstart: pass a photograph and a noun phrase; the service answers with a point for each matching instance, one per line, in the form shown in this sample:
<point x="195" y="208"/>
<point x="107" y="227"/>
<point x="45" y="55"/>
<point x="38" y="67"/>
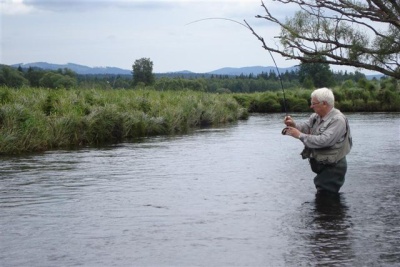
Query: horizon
<point x="180" y="71"/>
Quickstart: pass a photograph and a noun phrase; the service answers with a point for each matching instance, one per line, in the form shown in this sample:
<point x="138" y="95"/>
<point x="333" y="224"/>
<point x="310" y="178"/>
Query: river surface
<point x="238" y="195"/>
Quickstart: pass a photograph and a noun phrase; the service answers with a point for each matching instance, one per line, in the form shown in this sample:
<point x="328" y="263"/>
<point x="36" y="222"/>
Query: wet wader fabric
<point x="329" y="177"/>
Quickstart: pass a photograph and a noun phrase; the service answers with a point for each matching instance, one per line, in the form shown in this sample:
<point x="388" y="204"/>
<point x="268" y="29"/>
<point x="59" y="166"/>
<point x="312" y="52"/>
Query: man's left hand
<point x="293" y="132"/>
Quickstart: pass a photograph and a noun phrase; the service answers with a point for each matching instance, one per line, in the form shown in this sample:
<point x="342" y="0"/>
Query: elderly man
<point x="327" y="141"/>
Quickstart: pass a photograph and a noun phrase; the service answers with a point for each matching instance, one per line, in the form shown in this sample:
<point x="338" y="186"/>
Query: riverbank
<point x="37" y="119"/>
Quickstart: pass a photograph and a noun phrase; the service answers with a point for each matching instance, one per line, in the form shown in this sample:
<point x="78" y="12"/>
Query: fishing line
<point x="232" y="20"/>
<point x="246" y="25"/>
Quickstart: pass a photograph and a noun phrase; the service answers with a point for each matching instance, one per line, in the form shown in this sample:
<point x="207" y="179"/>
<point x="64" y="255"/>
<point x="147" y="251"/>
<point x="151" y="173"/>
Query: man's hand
<point x="289" y="121"/>
<point x="292" y="132"/>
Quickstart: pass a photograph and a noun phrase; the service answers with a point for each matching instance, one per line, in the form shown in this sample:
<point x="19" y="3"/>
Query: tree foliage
<point x="34" y="75"/>
<point x="57" y="81"/>
<point x="363" y="34"/>
<point x="315" y="75"/>
<point x="143" y="72"/>
<point x="11" y="77"/>
<point x="16" y="78"/>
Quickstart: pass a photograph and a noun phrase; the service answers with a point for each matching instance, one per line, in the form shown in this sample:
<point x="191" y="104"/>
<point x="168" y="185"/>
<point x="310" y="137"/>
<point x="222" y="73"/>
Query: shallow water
<point x="232" y="196"/>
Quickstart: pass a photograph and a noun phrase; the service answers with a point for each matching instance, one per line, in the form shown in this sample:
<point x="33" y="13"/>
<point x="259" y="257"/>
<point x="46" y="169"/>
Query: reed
<point x="33" y="119"/>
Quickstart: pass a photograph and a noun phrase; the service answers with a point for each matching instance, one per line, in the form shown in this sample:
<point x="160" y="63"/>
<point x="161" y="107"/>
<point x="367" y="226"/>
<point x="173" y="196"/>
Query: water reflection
<point x="321" y="233"/>
<point x="329" y="238"/>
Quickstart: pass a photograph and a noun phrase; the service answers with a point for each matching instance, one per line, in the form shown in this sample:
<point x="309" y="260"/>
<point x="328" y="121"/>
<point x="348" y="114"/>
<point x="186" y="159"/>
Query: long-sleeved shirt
<point x="323" y="132"/>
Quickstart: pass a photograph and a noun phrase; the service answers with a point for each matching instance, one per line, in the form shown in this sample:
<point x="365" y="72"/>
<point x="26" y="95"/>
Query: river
<point x="238" y="195"/>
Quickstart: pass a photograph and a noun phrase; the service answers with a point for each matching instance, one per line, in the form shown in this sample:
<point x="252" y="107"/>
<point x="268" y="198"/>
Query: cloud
<point x="222" y="6"/>
<point x="115" y="32"/>
<point x="88" y="5"/>
<point x="14" y="7"/>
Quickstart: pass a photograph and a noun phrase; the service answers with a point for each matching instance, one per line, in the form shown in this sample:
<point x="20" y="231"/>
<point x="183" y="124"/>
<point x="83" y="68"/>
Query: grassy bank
<point x="348" y="98"/>
<point x="33" y="119"/>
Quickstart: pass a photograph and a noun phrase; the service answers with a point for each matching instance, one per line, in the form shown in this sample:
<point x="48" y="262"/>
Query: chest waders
<point x="329" y="164"/>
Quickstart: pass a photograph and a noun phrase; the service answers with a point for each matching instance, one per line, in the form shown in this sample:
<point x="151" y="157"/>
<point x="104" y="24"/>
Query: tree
<point x="11" y="77"/>
<point x="341" y="32"/>
<point x="319" y="74"/>
<point x="56" y="80"/>
<point x="67" y="72"/>
<point x="143" y="72"/>
<point x="34" y="75"/>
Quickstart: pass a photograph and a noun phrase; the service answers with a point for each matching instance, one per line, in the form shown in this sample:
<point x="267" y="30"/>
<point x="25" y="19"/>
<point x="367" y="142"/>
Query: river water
<point x="238" y="195"/>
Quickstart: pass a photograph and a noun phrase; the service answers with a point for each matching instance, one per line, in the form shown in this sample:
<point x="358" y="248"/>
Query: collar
<point x="329" y="115"/>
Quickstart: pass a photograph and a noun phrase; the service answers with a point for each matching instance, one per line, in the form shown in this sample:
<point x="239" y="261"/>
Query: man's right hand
<point x="289" y="121"/>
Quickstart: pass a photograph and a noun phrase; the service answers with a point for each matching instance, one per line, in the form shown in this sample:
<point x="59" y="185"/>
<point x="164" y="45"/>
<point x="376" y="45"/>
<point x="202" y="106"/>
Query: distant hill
<point x="250" y="70"/>
<point x="80" y="69"/>
<point x="374" y="76"/>
<point x="85" y="70"/>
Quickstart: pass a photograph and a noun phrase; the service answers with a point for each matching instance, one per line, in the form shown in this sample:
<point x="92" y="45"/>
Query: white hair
<point x="324" y="95"/>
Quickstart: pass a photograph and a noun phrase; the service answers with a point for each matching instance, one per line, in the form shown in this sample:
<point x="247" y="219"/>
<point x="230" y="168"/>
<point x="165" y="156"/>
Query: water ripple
<point x="230" y="196"/>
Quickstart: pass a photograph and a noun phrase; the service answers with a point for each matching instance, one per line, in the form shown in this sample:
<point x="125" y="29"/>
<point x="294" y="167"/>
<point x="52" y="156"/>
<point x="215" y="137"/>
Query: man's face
<point x="317" y="106"/>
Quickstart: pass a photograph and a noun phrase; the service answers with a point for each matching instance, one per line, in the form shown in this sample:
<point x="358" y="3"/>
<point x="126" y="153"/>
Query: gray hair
<point x="324" y="95"/>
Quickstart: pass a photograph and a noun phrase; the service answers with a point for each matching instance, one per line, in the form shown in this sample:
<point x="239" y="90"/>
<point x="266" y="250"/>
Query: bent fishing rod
<point x="247" y="26"/>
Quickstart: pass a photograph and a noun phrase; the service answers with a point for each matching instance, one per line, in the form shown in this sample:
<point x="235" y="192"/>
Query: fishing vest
<point x="331" y="155"/>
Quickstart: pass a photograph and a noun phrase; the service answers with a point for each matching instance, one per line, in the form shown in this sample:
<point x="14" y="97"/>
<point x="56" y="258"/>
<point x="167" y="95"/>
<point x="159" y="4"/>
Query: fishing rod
<point x="247" y="26"/>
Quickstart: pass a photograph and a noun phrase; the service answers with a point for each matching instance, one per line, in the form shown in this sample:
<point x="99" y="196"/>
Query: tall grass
<point x="34" y="119"/>
<point x="348" y="98"/>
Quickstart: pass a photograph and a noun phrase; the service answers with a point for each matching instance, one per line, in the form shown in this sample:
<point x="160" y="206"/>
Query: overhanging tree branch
<point x="362" y="34"/>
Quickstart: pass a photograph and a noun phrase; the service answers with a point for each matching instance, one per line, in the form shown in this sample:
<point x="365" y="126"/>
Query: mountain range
<point x="85" y="70"/>
<point x="80" y="69"/>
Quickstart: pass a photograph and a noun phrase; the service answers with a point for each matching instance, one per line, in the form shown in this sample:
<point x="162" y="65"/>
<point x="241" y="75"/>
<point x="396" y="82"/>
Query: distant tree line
<point x="362" y="96"/>
<point x="352" y="90"/>
<point x="257" y="93"/>
<point x="36" y="77"/>
<point x="308" y="76"/>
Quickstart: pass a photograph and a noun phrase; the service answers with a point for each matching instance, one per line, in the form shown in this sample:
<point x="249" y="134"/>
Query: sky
<point x="175" y="35"/>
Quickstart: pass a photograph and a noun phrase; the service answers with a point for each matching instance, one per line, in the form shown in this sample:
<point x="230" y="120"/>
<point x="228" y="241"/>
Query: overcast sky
<point x="114" y="33"/>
